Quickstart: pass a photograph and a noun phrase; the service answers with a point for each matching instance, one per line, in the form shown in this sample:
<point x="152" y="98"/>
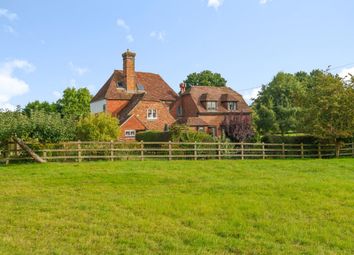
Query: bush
<point x="153" y="136"/>
<point x="306" y="139"/>
<point x="99" y="127"/>
<point x="181" y="133"/>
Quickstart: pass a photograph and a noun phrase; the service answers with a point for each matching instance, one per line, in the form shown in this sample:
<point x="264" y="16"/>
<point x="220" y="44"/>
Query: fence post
<point x="142" y="149"/>
<point x="45" y="154"/>
<point x="263" y="151"/>
<point x="111" y="149"/>
<point x="219" y="150"/>
<point x="242" y="152"/>
<point x="79" y="151"/>
<point x="352" y="149"/>
<point x="283" y="150"/>
<point x="302" y="150"/>
<point x="195" y="151"/>
<point x="169" y="150"/>
<point x="319" y="151"/>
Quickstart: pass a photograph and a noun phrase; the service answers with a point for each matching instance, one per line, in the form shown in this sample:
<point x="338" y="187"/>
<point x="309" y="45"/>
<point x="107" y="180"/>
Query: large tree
<point x="328" y="107"/>
<point x="205" y="78"/>
<point x="75" y="102"/>
<point x="277" y="106"/>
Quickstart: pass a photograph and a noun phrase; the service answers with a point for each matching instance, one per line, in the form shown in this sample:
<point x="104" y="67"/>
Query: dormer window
<point x="120" y="85"/>
<point x="211" y="106"/>
<point x="232" y="106"/>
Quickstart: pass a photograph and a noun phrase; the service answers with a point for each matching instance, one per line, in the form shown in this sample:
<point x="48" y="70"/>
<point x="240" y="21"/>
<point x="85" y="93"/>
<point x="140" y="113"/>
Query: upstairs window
<point x="232" y="106"/>
<point x="211" y="106"/>
<point x="179" y="111"/>
<point x="151" y="114"/>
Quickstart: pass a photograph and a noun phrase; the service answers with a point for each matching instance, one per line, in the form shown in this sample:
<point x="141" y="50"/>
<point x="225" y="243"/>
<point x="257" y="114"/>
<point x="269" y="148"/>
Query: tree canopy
<point x="75" y="102"/>
<point x="205" y="78"/>
<point x="277" y="104"/>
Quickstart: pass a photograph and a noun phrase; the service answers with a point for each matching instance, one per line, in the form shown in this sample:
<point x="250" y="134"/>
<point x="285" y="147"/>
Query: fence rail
<point x="85" y="151"/>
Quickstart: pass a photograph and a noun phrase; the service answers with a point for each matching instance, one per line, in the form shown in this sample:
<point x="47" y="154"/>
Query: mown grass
<point x="178" y="207"/>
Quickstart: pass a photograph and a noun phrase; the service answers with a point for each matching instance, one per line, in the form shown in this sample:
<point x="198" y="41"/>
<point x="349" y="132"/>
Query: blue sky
<point x="46" y="46"/>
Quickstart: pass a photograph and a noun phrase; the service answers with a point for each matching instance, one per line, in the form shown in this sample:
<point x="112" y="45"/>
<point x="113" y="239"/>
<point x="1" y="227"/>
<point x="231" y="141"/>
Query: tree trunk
<point x="28" y="150"/>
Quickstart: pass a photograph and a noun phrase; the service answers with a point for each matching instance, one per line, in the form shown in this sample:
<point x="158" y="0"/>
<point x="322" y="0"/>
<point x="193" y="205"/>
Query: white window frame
<point x="209" y="109"/>
<point x="130" y="133"/>
<point x="232" y="103"/>
<point x="151" y="114"/>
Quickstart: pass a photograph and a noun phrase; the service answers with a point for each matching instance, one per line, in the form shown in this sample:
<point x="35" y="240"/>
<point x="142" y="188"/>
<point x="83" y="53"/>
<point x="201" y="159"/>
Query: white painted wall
<point x="97" y="106"/>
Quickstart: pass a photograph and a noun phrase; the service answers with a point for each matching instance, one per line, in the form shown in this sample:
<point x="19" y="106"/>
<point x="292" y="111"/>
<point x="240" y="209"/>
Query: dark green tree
<point x="36" y="106"/>
<point x="205" y="78"/>
<point x="277" y="106"/>
<point x="75" y="102"/>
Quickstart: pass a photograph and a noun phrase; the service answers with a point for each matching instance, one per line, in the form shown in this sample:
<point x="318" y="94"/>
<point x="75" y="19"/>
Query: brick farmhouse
<point x="144" y="101"/>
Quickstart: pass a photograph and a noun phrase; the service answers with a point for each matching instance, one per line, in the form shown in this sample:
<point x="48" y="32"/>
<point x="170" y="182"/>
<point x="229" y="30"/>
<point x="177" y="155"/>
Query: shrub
<point x="153" y="136"/>
<point x="181" y="133"/>
<point x="99" y="127"/>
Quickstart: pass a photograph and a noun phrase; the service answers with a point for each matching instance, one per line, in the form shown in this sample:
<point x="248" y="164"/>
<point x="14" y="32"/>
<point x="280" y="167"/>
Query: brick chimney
<point x="129" y="71"/>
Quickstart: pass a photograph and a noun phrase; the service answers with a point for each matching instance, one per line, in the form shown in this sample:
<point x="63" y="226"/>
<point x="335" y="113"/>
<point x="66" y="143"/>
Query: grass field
<point x="178" y="207"/>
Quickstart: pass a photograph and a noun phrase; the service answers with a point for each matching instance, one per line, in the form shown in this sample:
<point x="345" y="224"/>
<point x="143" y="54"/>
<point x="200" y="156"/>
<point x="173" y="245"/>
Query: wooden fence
<point x="88" y="151"/>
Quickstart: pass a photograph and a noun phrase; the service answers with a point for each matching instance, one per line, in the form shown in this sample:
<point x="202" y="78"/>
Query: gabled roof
<point x="193" y="122"/>
<point x="199" y="94"/>
<point x="125" y="112"/>
<point x="155" y="87"/>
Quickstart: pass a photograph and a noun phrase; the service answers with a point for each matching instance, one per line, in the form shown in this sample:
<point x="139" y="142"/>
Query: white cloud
<point x="121" y="23"/>
<point x="130" y="38"/>
<point x="161" y="36"/>
<point x="8" y="15"/>
<point x="9" y="29"/>
<point x="10" y="86"/>
<point x="57" y="94"/>
<point x="252" y="94"/>
<point x="346" y="72"/>
<point x="77" y="70"/>
<point x="215" y="3"/>
<point x="263" y="2"/>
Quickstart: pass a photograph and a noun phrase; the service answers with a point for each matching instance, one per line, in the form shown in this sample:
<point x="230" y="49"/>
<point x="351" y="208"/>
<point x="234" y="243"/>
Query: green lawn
<point x="178" y="207"/>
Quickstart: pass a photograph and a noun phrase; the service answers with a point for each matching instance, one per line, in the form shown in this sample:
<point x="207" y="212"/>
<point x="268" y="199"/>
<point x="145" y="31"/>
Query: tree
<point x="205" y="78"/>
<point x="36" y="106"/>
<point x="277" y="105"/>
<point x="75" y="102"/>
<point x="100" y="127"/>
<point x="238" y="127"/>
<point x="328" y="107"/>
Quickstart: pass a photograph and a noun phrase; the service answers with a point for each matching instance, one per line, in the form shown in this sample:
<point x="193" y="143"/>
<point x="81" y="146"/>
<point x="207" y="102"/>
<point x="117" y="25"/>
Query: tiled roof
<point x="155" y="87"/>
<point x="193" y="122"/>
<point x="125" y="113"/>
<point x="197" y="94"/>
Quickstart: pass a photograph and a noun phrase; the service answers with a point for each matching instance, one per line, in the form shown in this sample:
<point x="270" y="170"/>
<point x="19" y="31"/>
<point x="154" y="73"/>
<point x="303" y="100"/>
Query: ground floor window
<point x="212" y="131"/>
<point x="200" y="129"/>
<point x="130" y="133"/>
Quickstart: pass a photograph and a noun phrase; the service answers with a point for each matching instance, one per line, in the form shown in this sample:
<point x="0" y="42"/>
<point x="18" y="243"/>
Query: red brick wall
<point x="163" y="115"/>
<point x="131" y="124"/>
<point x="188" y="106"/>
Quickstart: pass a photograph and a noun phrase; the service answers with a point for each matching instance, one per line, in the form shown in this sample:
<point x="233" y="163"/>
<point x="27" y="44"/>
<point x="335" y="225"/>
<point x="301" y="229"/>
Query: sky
<point x="47" y="46"/>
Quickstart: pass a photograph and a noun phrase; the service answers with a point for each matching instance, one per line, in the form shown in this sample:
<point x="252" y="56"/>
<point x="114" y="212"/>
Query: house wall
<point x="131" y="124"/>
<point x="97" y="107"/>
<point x="188" y="106"/>
<point x="163" y="115"/>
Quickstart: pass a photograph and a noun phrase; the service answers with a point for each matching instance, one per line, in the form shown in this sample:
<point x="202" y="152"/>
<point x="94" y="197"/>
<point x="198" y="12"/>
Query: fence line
<point x="79" y="151"/>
